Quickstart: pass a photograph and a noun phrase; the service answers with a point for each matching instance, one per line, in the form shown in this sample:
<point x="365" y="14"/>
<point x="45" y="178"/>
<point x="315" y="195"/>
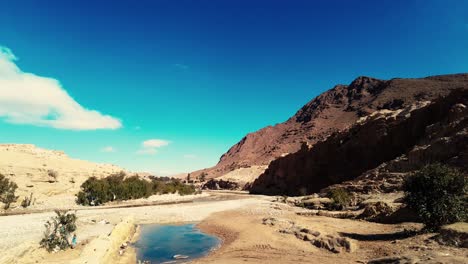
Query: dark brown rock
<point x="367" y="145"/>
<point x="333" y="111"/>
<point x="214" y="184"/>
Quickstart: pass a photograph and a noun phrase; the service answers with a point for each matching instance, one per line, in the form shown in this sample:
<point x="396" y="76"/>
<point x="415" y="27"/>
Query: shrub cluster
<point x="7" y="192"/>
<point x="118" y="187"/>
<point x="438" y="194"/>
<point x="340" y="197"/>
<point x="58" y="230"/>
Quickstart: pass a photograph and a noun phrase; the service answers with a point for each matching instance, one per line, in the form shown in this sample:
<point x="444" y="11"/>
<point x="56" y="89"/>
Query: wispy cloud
<point x="26" y="98"/>
<point x="181" y="66"/>
<point x="108" y="149"/>
<point x="150" y="146"/>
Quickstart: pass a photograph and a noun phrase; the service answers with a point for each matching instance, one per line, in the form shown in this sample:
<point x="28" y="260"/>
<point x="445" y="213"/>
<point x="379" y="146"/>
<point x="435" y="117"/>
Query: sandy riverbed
<point x="246" y="239"/>
<point x="237" y="219"/>
<point x="21" y="233"/>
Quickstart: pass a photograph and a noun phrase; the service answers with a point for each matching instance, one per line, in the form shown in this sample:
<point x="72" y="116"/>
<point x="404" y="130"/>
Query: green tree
<point x="438" y="194"/>
<point x="94" y="192"/>
<point x="118" y="187"/>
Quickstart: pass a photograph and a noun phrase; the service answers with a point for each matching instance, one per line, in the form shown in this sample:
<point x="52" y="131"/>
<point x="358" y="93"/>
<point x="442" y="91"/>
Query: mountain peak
<point x="332" y="111"/>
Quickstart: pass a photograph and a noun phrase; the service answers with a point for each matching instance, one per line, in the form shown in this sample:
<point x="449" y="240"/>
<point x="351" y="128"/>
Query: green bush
<point x="94" y="191"/>
<point x="58" y="230"/>
<point x="7" y="192"/>
<point x="438" y="194"/>
<point x="118" y="187"/>
<point x="340" y="197"/>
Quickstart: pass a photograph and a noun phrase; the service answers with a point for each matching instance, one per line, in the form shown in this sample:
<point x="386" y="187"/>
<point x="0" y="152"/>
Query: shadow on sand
<point x="381" y="237"/>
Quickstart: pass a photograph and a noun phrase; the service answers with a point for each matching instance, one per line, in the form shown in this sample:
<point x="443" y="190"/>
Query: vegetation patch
<point x="7" y="192"/>
<point x="438" y="194"/>
<point x="58" y="231"/>
<point x="340" y="197"/>
<point x="119" y="187"/>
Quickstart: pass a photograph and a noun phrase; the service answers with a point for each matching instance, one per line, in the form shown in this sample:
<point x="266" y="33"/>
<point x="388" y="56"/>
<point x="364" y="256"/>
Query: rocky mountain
<point x="376" y="152"/>
<point x="333" y="111"/>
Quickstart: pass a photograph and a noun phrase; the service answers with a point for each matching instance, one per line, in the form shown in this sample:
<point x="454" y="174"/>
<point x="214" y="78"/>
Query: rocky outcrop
<point x="333" y="243"/>
<point x="381" y="148"/>
<point x="333" y="111"/>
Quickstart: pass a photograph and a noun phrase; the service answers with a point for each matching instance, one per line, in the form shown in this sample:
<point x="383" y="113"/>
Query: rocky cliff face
<point x="333" y="111"/>
<point x="406" y="138"/>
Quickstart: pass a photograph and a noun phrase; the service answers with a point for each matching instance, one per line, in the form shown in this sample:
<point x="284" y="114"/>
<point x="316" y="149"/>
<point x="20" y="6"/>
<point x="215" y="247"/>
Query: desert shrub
<point x="94" y="191"/>
<point x="340" y="197"/>
<point x="58" y="230"/>
<point x="183" y="189"/>
<point x="27" y="201"/>
<point x="136" y="188"/>
<point x="203" y="176"/>
<point x="7" y="192"/>
<point x="53" y="175"/>
<point x="438" y="194"/>
<point x="166" y="187"/>
<point x="117" y="187"/>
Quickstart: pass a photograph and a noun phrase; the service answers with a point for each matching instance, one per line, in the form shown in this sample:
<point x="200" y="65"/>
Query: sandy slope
<point x="28" y="166"/>
<point x="243" y="175"/>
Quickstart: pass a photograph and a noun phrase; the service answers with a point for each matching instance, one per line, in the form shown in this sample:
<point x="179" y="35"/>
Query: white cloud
<point x="155" y="143"/>
<point x="148" y="147"/>
<point x="26" y="98"/>
<point x="108" y="149"/>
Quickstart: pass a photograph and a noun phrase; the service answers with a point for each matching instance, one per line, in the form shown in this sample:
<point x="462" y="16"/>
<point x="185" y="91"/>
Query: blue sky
<point x="191" y="78"/>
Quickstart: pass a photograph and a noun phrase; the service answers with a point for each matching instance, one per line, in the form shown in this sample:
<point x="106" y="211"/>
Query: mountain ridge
<point x="332" y="111"/>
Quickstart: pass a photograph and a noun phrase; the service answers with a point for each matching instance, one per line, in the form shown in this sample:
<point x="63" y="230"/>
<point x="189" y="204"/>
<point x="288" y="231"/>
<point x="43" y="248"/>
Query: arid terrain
<point x="334" y="111"/>
<point x="260" y="229"/>
<point x="364" y="139"/>
<point x="31" y="168"/>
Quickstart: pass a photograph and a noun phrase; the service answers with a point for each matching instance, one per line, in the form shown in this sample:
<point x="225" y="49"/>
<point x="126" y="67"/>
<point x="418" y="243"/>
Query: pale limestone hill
<point x="29" y="166"/>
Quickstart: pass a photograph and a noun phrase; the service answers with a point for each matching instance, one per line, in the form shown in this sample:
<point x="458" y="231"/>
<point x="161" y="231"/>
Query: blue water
<point x="159" y="243"/>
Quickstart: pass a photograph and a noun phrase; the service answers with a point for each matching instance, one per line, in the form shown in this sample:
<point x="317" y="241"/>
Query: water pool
<point x="160" y="243"/>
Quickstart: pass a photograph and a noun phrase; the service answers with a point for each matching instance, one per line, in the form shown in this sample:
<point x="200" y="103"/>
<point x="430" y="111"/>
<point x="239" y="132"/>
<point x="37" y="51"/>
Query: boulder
<point x="376" y="211"/>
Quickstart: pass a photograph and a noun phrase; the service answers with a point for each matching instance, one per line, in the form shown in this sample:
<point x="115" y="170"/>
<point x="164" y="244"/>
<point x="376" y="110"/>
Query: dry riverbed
<point x="253" y="230"/>
<point x="97" y="232"/>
